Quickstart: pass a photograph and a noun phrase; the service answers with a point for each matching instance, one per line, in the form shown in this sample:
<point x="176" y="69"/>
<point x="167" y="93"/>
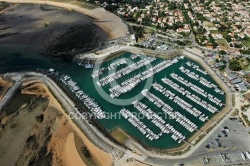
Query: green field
<point x="209" y="24"/>
<point x="222" y="42"/>
<point x="214" y="31"/>
<point x="246" y="42"/>
<point x="217" y="1"/>
<point x="244" y="63"/>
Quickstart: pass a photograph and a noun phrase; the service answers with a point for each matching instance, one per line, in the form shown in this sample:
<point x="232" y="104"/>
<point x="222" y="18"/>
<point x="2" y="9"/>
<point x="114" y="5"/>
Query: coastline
<point x="45" y="90"/>
<point x="104" y="19"/>
<point x="63" y="141"/>
<point x="146" y="152"/>
<point x="184" y="146"/>
<point x="184" y="150"/>
<point x="5" y="85"/>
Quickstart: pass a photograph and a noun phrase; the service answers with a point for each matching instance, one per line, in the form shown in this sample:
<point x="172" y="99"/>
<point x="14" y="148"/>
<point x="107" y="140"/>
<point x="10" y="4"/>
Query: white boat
<point x="243" y="156"/>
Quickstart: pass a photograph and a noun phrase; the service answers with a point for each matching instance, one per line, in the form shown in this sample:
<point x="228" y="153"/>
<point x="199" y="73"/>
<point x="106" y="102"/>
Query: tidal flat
<point x="53" y="31"/>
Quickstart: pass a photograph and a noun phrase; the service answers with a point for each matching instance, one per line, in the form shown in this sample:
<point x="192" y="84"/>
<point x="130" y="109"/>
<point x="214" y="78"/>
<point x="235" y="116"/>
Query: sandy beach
<point x="70" y="153"/>
<point x="66" y="133"/>
<point x="5" y="85"/>
<point x="63" y="141"/>
<point x="109" y="22"/>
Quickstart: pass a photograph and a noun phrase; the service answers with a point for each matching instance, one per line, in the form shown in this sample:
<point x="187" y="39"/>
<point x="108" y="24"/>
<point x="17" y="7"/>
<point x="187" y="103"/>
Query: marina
<point x="170" y="113"/>
<point x="183" y="88"/>
<point x="129" y="84"/>
<point x="89" y="102"/>
<point x="89" y="92"/>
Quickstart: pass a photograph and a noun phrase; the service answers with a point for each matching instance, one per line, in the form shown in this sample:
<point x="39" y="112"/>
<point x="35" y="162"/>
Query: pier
<point x="89" y="102"/>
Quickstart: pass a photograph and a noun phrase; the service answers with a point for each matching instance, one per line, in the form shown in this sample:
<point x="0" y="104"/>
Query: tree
<point x="211" y="39"/>
<point x="222" y="67"/>
<point x="222" y="28"/>
<point x="234" y="65"/>
<point x="248" y="59"/>
<point x="172" y="6"/>
<point x="245" y="51"/>
<point x="178" y="25"/>
<point x="228" y="38"/>
<point x="237" y="45"/>
<point x="222" y="52"/>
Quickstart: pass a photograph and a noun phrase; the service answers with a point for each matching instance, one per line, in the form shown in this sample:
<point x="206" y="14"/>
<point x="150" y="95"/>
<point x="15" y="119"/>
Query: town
<point x="223" y="25"/>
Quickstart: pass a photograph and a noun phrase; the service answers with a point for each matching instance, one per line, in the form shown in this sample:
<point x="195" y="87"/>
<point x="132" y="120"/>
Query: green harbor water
<point x="22" y="59"/>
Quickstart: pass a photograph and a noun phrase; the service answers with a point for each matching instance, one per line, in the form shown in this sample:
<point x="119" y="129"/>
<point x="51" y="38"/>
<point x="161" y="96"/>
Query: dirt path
<point x="109" y="22"/>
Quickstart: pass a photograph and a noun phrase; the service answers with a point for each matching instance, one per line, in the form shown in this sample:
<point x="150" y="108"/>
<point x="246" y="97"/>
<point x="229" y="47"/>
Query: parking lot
<point x="225" y="145"/>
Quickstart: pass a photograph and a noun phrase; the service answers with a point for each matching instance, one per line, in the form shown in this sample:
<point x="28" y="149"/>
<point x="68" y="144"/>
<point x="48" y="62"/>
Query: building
<point x="133" y="39"/>
<point x="247" y="32"/>
<point x="232" y="77"/>
<point x="219" y="64"/>
<point x="236" y="81"/>
<point x="241" y="87"/>
<point x="217" y="36"/>
<point x="246" y="83"/>
<point x="242" y="73"/>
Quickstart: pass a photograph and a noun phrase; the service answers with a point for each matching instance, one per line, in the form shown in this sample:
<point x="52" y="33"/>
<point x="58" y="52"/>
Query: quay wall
<point x="8" y="96"/>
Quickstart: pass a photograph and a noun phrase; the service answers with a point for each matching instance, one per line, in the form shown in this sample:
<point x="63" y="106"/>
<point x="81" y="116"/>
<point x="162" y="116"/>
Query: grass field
<point x="209" y="24"/>
<point x="214" y="31"/>
<point x="244" y="63"/>
<point x="222" y="43"/>
<point x="246" y="42"/>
